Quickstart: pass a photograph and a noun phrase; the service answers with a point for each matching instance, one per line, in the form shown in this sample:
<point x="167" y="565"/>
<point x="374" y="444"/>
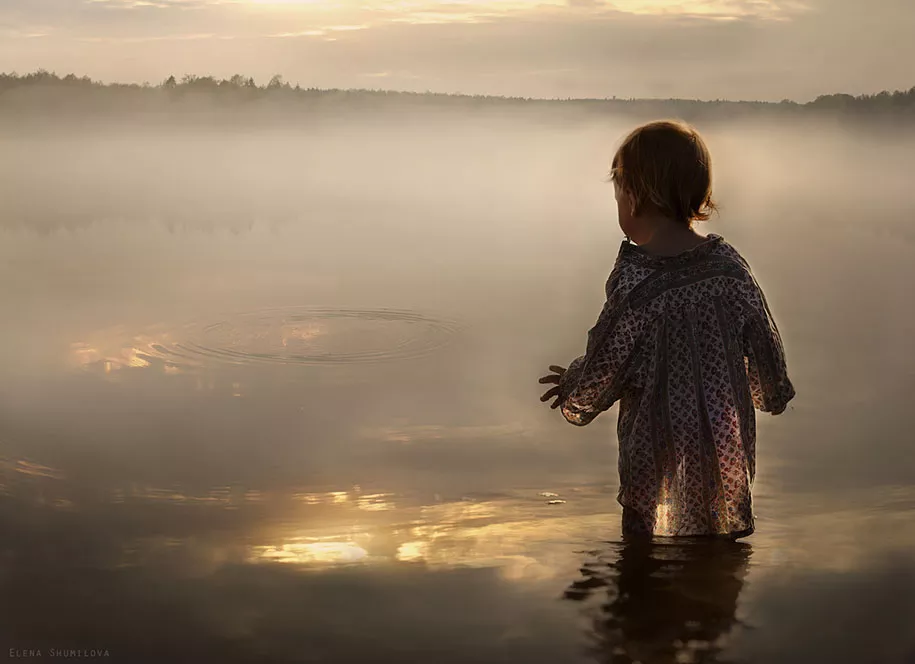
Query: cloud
<point x="161" y="4"/>
<point x="711" y="8"/>
<point x="322" y="31"/>
<point x="158" y="38"/>
<point x="248" y="16"/>
<point x="301" y="33"/>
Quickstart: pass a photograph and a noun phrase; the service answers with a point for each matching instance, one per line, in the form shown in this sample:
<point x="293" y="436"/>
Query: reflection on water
<point x="251" y="566"/>
<point x="664" y="602"/>
<point x="285" y="336"/>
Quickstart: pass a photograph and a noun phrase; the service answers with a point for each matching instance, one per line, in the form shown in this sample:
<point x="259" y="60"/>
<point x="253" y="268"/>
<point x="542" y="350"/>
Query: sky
<point x="695" y="49"/>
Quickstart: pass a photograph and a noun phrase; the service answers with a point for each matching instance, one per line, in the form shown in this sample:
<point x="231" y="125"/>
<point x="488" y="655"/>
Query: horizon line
<point x="297" y="85"/>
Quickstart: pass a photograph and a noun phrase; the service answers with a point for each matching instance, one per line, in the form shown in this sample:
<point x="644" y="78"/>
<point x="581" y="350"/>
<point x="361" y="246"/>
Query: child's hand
<point x="552" y="378"/>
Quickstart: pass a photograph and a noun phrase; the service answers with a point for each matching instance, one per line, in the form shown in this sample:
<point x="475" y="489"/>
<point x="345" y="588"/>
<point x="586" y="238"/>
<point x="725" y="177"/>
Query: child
<point x="685" y="343"/>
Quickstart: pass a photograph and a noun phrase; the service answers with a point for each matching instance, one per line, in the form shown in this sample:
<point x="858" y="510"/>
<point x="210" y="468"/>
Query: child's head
<point x="662" y="169"/>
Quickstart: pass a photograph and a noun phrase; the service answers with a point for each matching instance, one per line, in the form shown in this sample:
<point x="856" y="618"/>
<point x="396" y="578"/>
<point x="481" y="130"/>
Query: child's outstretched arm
<point x="767" y="369"/>
<point x="596" y="380"/>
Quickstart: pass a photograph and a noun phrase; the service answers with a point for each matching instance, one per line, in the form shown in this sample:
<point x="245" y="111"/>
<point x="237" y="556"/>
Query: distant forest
<point x="48" y="93"/>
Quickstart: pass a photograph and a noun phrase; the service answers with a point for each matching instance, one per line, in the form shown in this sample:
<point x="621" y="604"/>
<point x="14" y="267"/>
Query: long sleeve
<point x="596" y="380"/>
<point x="764" y="354"/>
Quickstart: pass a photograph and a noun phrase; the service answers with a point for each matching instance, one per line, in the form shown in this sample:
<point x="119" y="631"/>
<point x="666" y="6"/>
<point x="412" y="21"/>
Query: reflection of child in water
<point x="685" y="342"/>
<point x="664" y="603"/>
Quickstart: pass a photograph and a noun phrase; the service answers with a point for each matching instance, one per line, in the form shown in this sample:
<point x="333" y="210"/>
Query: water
<point x="271" y="395"/>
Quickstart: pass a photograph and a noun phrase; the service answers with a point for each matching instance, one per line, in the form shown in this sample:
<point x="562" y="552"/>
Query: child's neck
<point x="669" y="238"/>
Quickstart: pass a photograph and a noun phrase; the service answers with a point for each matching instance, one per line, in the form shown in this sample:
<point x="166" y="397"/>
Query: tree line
<point x="240" y="87"/>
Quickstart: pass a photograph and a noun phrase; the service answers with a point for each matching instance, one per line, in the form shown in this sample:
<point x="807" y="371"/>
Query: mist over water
<point x="278" y="381"/>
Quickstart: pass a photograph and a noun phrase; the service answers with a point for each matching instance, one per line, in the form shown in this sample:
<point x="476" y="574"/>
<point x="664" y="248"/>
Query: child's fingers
<point x="557" y="369"/>
<point x="549" y="379"/>
<point x="549" y="394"/>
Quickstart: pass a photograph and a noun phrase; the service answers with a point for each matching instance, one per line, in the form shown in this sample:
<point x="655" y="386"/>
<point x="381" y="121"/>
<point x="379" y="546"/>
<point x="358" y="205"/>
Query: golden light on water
<point x="529" y="540"/>
<point x="83" y="354"/>
<point x="520" y="537"/>
<point x="305" y="552"/>
<point x="30" y="468"/>
<point x="411" y="551"/>
<point x="166" y="347"/>
<point x="523" y="536"/>
<point x="113" y="349"/>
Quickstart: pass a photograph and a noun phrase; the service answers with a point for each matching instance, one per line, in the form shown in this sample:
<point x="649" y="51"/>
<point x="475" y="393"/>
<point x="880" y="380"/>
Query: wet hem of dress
<point x="630" y="514"/>
<point x="740" y="534"/>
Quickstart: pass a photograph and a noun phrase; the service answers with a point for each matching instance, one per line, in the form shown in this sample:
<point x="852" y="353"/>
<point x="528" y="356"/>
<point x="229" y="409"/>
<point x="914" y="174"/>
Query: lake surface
<point x="271" y="396"/>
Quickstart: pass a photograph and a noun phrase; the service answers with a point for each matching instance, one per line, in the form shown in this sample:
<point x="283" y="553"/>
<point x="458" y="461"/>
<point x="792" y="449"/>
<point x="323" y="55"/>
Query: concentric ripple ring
<point x="305" y="335"/>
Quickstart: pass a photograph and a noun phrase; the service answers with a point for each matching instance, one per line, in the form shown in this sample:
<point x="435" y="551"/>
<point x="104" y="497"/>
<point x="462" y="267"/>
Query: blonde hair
<point x="666" y="164"/>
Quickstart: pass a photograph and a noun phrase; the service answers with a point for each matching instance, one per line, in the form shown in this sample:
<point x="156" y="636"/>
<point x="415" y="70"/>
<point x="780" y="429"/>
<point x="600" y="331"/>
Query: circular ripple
<point x="314" y="336"/>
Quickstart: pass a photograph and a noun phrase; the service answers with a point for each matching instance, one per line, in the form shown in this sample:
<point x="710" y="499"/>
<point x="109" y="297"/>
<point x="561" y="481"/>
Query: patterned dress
<point x="688" y="347"/>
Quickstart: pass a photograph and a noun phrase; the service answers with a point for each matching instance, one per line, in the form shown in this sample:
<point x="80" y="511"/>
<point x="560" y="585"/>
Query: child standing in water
<point x="685" y="342"/>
